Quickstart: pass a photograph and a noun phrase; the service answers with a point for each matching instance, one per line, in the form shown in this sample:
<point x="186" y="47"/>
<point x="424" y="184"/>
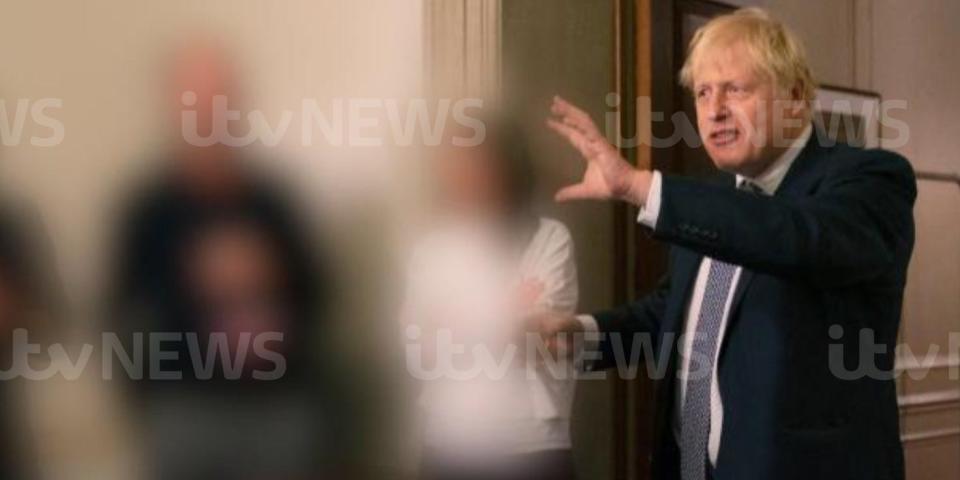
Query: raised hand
<point x="608" y="174"/>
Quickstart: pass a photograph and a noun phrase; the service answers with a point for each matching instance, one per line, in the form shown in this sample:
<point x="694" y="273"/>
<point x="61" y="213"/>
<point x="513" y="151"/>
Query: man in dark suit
<point x="778" y="315"/>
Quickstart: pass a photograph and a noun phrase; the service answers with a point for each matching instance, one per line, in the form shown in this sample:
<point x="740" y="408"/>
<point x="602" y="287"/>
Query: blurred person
<point x="490" y="261"/>
<point x="775" y="278"/>
<point x="214" y="249"/>
<point x="30" y="300"/>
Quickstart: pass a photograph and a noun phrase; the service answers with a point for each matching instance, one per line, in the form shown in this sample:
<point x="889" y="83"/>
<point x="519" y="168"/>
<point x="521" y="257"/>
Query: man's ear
<point x="797" y="104"/>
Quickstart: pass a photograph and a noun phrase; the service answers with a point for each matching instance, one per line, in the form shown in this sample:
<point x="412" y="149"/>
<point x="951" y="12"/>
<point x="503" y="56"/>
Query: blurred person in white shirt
<point x="490" y="409"/>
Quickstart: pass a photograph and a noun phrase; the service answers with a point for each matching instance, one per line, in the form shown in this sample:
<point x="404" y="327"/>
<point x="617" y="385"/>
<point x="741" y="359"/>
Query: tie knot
<point x="748" y="186"/>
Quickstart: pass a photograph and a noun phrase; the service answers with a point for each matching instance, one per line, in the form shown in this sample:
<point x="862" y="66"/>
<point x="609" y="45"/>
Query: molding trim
<point x="928" y="402"/>
<point x="907" y="364"/>
<point x="862" y="19"/>
<point x="936" y="176"/>
<point x="930" y="435"/>
<point x="944" y="398"/>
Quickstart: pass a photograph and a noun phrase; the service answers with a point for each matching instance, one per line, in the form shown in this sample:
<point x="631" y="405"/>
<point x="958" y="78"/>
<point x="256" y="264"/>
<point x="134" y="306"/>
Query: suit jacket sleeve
<point x="852" y="229"/>
<point x="627" y="333"/>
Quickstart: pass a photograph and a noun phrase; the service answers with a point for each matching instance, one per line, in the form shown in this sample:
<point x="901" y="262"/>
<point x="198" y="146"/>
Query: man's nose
<point x="719" y="110"/>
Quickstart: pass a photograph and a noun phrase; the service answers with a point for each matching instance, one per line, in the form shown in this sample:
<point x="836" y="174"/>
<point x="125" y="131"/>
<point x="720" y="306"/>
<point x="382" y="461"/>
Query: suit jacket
<point x="828" y="251"/>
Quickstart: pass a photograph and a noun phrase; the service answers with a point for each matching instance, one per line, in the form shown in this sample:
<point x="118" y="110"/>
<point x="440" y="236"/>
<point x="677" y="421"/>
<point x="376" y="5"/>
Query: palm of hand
<point x="605" y="170"/>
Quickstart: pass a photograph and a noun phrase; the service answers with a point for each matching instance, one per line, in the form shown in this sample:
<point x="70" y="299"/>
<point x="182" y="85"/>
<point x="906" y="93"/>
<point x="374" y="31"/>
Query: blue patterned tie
<point x="695" y="420"/>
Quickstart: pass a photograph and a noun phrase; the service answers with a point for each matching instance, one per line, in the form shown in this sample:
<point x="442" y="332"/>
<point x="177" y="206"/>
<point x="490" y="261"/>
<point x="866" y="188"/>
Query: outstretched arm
<point x="853" y="228"/>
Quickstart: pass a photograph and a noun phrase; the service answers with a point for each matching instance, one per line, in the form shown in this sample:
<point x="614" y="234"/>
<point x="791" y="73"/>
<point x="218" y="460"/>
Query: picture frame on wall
<point x="849" y="115"/>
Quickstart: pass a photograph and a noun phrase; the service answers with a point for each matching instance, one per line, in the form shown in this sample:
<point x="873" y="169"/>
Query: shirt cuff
<point x="588" y="323"/>
<point x="650" y="210"/>
<point x="591" y="341"/>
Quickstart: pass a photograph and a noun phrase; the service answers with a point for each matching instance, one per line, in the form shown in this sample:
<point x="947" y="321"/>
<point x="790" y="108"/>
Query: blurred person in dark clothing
<point x="30" y="300"/>
<point x="189" y="264"/>
<point x="215" y="252"/>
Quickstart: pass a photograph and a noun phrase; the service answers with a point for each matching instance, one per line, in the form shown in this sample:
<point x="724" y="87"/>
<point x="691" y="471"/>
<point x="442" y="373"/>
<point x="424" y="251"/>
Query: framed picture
<point x="848" y="115"/>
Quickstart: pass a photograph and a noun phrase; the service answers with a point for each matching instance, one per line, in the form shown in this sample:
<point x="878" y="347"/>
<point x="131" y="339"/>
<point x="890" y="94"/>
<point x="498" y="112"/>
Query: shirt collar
<point x="771" y="178"/>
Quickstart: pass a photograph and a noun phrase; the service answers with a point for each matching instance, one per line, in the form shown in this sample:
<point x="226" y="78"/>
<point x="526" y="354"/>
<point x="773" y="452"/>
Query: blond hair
<point x="776" y="51"/>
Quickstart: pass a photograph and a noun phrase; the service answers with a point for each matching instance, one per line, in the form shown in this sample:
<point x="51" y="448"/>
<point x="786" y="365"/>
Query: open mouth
<point x="724" y="137"/>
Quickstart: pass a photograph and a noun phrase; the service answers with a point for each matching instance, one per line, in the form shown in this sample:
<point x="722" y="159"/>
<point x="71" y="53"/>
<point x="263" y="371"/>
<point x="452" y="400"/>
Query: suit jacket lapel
<point x="684" y="275"/>
<point x="797" y="181"/>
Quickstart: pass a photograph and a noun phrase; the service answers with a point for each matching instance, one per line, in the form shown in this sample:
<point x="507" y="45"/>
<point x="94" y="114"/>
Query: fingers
<point x="570" y="114"/>
<point x="560" y="345"/>
<point x="580" y="191"/>
<point x="539" y="323"/>
<point x="575" y="117"/>
<point x="574" y="136"/>
<point x="557" y="332"/>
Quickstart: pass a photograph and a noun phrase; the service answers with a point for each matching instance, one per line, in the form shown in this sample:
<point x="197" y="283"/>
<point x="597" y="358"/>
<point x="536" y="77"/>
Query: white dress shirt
<point x="768" y="181"/>
<point x="460" y="281"/>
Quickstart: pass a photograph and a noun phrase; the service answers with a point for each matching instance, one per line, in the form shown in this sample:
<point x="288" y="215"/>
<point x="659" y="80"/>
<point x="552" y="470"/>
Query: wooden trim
<point x="941" y="362"/>
<point x="929" y="435"/>
<point x="623" y="50"/>
<point x="633" y="399"/>
<point x="935" y="176"/>
<point x="640" y="283"/>
<point x="624" y="402"/>
<point x="929" y="399"/>
<point x="862" y="29"/>
<point x="850" y="90"/>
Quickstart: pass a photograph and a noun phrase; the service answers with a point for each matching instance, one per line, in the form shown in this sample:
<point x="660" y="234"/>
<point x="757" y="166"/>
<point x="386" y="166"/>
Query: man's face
<point x="740" y="113"/>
